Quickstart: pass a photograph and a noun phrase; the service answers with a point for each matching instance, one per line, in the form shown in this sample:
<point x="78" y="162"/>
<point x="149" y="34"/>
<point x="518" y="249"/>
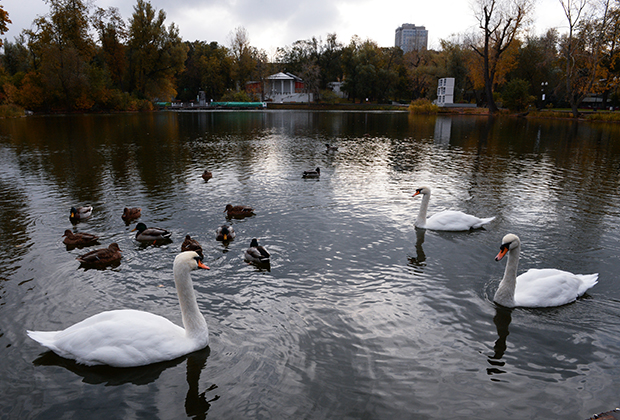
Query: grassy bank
<point x="338" y="107"/>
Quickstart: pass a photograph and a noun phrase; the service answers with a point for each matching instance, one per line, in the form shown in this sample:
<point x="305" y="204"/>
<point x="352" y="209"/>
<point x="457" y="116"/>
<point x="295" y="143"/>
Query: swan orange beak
<point x="225" y="237"/>
<point x="501" y="254"/>
<point x="416" y="193"/>
<point x="201" y="265"/>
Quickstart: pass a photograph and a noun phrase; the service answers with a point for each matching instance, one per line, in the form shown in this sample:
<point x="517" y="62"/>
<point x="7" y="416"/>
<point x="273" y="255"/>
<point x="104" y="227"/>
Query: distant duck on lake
<point x="312" y="174"/>
<point x="238" y="211"/>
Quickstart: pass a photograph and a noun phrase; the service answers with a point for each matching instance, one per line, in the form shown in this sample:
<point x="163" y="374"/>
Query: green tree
<point x="516" y="95"/>
<point x="16" y="57"/>
<point x="112" y="33"/>
<point x="330" y="60"/>
<point x="243" y="55"/>
<point x="537" y="62"/>
<point x="156" y="54"/>
<point x="208" y="68"/>
<point x="63" y="47"/>
<point x="361" y="61"/>
<point x="423" y="71"/>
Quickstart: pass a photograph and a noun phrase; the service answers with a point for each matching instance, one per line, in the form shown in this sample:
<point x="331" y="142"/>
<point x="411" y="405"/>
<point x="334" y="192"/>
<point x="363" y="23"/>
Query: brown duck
<point x="78" y="238"/>
<point x="238" y="211"/>
<point x="131" y="213"/>
<point x="103" y="256"/>
<point x="190" y="244"/>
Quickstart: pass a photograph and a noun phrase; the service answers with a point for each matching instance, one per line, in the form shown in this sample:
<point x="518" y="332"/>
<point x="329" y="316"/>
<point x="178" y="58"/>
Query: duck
<point x="190" y="244"/>
<point x="102" y="256"/>
<point x="256" y="253"/>
<point x="312" y="174"/>
<point x="537" y="288"/>
<point x="78" y="238"/>
<point x="152" y="234"/>
<point x="225" y="233"/>
<point x="80" y="213"/>
<point x="130" y="338"/>
<point x="449" y="220"/>
<point x="206" y="175"/>
<point x="331" y="148"/>
<point x="131" y="213"/>
<point x="238" y="211"/>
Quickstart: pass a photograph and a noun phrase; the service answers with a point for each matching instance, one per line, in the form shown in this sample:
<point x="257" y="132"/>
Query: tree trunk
<point x="488" y="89"/>
<point x="574" y="107"/>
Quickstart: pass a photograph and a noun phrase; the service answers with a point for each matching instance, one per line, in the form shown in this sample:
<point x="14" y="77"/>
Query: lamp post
<point x="543" y="86"/>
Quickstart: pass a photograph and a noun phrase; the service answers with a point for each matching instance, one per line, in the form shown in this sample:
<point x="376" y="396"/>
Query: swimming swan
<point x="446" y="220"/>
<point x="126" y="338"/>
<point x="537" y="288"/>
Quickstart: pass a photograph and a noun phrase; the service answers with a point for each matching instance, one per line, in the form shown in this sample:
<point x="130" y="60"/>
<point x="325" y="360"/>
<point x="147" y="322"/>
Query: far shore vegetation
<point x="83" y="58"/>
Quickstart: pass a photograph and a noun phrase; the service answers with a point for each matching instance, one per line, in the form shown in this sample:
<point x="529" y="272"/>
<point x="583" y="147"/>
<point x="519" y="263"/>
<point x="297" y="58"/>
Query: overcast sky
<point x="278" y="23"/>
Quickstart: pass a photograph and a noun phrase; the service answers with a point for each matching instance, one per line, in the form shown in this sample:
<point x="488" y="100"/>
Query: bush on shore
<point x="423" y="106"/>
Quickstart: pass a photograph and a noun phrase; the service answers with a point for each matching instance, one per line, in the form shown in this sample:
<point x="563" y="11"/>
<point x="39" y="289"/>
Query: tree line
<point x="80" y="57"/>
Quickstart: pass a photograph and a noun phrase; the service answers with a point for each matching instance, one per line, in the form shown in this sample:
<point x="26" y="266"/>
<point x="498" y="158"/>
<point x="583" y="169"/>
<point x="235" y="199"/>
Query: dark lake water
<point x="361" y="316"/>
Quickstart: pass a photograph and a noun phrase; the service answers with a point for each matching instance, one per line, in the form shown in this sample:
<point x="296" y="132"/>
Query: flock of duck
<point x="125" y="338"/>
<point x="112" y="254"/>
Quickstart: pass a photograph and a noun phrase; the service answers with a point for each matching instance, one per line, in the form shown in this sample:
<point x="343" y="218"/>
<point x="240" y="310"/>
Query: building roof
<point x="283" y="76"/>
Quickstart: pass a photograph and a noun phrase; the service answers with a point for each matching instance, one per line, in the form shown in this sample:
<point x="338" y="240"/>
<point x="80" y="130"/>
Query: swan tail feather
<point x="483" y="222"/>
<point x="45" y="338"/>
<point x="587" y="281"/>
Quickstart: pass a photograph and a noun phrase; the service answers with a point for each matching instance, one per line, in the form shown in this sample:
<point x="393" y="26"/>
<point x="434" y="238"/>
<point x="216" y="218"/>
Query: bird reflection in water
<point x="502" y="319"/>
<point x="420" y="257"/>
<point x="196" y="403"/>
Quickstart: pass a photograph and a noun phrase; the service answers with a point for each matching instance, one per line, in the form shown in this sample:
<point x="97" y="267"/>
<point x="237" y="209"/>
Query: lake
<point x="360" y="315"/>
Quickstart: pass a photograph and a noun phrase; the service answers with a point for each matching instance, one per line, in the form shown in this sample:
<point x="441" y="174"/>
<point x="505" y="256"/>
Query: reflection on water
<point x="443" y="128"/>
<point x="360" y="314"/>
<point x="502" y="319"/>
<point x="420" y="257"/>
<point x="196" y="403"/>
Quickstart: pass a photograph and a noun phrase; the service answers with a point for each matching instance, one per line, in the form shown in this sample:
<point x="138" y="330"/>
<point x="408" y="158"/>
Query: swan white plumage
<point x="537" y="288"/>
<point x="127" y="338"/>
<point x="446" y="220"/>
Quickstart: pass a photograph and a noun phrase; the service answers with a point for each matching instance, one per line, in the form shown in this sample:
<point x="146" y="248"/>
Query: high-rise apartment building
<point x="410" y="37"/>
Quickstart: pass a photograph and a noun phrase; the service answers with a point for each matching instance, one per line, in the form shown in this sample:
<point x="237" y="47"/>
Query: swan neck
<point x="193" y="321"/>
<point x="421" y="220"/>
<point x="505" y="294"/>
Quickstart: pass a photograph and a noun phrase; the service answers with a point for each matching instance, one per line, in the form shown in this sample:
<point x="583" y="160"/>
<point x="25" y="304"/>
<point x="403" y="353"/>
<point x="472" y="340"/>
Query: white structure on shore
<point x="286" y="87"/>
<point x="445" y="91"/>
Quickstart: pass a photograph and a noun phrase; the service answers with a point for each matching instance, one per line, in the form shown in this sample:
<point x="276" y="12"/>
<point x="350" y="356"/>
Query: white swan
<point x="125" y="338"/>
<point x="537" y="288"/>
<point x="446" y="220"/>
